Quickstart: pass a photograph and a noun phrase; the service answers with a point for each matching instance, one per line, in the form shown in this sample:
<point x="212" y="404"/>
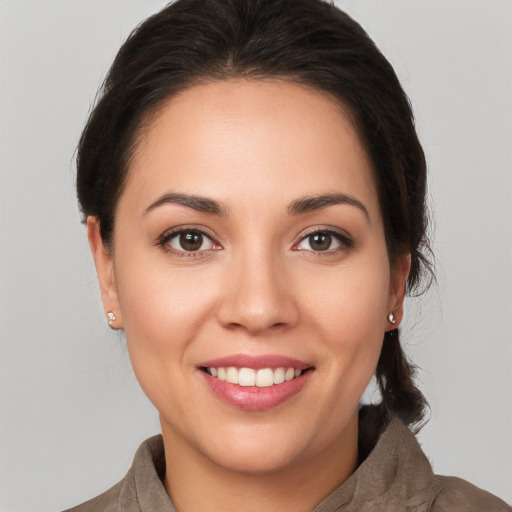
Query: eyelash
<point x="346" y="243"/>
<point x="164" y="240"/>
<point x="343" y="239"/>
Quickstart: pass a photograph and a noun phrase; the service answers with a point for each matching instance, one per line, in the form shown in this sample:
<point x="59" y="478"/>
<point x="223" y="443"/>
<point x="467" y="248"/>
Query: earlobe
<point x="400" y="273"/>
<point x="104" y="262"/>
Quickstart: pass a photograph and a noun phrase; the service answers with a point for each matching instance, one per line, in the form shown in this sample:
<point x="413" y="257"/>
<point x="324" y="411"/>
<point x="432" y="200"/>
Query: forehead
<point x="273" y="137"/>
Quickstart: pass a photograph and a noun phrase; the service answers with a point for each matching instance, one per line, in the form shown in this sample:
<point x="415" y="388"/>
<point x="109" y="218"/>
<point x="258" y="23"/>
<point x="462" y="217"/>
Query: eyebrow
<point x="198" y="203"/>
<point x="297" y="207"/>
<point x="311" y="203"/>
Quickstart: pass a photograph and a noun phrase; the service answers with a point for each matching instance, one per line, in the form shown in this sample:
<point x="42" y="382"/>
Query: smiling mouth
<point x="261" y="378"/>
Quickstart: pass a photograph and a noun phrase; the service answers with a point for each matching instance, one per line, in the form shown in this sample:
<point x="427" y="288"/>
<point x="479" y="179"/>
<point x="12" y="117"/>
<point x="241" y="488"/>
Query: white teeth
<point x="278" y="375"/>
<point x="289" y="374"/>
<point x="263" y="378"/>
<point x="246" y="377"/>
<point x="232" y="375"/>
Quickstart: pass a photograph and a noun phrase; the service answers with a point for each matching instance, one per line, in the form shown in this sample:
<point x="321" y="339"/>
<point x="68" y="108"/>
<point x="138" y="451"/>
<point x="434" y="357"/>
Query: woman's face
<point x="249" y="236"/>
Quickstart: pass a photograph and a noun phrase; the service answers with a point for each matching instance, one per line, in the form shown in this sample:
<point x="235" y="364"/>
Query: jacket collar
<point x="394" y="476"/>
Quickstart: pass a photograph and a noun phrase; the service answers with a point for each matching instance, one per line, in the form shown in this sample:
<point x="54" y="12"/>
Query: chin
<point x="255" y="457"/>
<point x="262" y="445"/>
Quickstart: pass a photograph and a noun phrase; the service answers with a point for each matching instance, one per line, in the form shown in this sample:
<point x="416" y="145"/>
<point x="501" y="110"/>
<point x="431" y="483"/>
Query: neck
<point x="196" y="483"/>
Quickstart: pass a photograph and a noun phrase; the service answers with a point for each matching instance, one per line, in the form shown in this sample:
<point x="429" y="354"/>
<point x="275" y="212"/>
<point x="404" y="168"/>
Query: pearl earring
<point x="111" y="318"/>
<point x="391" y="318"/>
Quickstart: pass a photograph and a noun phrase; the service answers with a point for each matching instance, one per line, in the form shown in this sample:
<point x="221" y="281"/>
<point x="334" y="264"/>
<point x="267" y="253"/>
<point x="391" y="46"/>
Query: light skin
<point x="256" y="156"/>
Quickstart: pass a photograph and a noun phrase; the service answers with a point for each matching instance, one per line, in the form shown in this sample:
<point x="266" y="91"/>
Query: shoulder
<point x="104" y="502"/>
<point x="455" y="494"/>
<point x="406" y="476"/>
<point x="109" y="501"/>
<point x="140" y="489"/>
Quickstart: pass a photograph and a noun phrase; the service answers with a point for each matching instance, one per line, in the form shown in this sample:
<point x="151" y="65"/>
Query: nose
<point x="258" y="296"/>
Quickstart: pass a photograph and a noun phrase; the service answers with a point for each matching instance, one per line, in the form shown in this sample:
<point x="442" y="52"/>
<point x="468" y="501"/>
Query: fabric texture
<point x="395" y="476"/>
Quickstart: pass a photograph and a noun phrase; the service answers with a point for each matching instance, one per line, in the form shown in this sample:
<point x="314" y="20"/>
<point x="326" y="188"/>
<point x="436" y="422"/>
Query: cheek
<point x="163" y="309"/>
<point x="352" y="299"/>
<point x="349" y="312"/>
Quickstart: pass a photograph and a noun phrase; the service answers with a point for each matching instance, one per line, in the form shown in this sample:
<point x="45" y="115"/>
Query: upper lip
<point x="255" y="362"/>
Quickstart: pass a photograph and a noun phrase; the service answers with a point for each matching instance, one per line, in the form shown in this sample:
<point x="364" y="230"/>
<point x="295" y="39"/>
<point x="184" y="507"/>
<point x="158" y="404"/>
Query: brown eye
<point x="190" y="241"/>
<point x="320" y="241"/>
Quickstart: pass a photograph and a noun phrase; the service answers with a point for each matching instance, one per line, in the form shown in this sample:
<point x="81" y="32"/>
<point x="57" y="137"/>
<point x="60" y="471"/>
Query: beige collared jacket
<point x="395" y="476"/>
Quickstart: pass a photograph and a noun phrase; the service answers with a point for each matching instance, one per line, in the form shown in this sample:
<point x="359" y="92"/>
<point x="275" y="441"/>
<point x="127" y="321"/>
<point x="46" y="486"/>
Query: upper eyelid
<point x="330" y="230"/>
<point x="163" y="242"/>
<point x="171" y="232"/>
<point x="342" y="235"/>
<point x="343" y="238"/>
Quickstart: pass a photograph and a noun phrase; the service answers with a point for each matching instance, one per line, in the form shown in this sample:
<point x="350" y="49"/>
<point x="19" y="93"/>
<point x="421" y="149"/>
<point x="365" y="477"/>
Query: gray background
<point x="71" y="412"/>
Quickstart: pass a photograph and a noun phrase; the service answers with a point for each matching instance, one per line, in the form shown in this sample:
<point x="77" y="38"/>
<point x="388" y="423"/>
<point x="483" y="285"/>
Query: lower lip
<point x="255" y="398"/>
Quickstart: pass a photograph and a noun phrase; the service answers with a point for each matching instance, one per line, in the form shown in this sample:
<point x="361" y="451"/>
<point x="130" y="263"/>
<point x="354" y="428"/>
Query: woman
<point x="254" y="195"/>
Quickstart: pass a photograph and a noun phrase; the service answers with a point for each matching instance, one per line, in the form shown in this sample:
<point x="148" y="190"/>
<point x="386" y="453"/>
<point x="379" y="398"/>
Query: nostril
<point x="256" y="303"/>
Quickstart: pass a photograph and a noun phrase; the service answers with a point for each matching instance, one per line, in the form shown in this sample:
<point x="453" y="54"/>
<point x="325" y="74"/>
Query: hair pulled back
<point x="308" y="42"/>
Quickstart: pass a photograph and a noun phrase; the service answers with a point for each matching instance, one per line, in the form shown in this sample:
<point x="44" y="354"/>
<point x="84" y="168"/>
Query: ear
<point x="399" y="274"/>
<point x="104" y="262"/>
